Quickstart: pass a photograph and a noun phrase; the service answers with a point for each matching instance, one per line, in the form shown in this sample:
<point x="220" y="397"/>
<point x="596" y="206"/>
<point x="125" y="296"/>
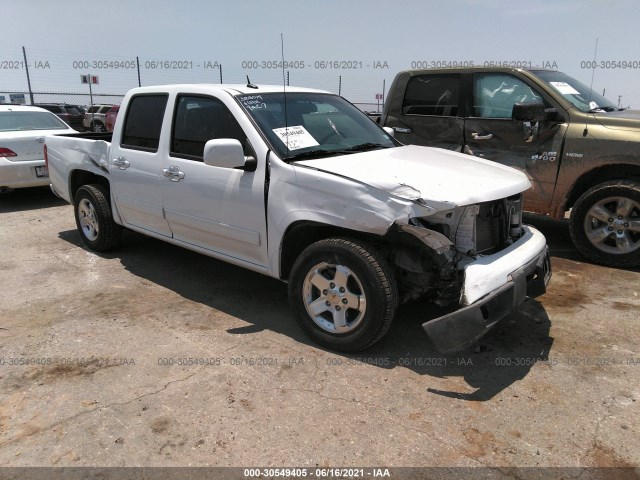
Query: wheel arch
<point x="78" y="178"/>
<point x="299" y="235"/>
<point x="599" y="175"/>
<point x="404" y="247"/>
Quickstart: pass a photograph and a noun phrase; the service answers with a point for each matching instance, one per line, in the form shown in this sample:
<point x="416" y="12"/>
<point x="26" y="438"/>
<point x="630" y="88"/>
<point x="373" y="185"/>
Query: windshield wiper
<point x="318" y="153"/>
<point x="602" y="109"/>
<point x="364" y="147"/>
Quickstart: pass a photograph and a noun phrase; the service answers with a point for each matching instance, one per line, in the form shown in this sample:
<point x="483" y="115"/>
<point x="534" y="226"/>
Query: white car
<point x="96" y="118"/>
<point x="22" y="132"/>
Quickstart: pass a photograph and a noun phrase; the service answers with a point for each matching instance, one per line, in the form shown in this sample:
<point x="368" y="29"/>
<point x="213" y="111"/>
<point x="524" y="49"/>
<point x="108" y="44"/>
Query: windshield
<point x="576" y="92"/>
<point x="13" y="121"/>
<point x="313" y="125"/>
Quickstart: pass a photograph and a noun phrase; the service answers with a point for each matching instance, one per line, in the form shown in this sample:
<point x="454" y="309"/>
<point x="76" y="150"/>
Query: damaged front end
<point x="479" y="258"/>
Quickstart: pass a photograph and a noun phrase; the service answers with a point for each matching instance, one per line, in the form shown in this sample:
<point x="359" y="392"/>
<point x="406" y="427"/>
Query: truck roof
<point x="476" y="69"/>
<point x="232" y="89"/>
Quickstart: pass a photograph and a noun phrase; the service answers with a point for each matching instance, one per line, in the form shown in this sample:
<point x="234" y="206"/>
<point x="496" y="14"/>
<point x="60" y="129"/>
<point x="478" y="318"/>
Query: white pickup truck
<point x="300" y="185"/>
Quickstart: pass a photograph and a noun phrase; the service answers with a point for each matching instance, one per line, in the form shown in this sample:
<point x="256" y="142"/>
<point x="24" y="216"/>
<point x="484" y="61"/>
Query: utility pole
<point x="26" y="67"/>
<point x="384" y="82"/>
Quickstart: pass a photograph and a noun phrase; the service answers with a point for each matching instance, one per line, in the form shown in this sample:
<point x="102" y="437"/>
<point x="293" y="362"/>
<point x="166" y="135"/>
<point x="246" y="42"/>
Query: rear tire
<point x="98" y="127"/>
<point x="605" y="223"/>
<point x="343" y="294"/>
<point x="94" y="219"/>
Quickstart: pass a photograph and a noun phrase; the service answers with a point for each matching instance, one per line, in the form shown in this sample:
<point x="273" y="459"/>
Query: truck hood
<point x="436" y="177"/>
<point x="620" y="120"/>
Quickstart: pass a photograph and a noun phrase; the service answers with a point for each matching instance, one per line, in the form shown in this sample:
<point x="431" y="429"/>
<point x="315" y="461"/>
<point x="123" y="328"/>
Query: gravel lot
<point x="156" y="356"/>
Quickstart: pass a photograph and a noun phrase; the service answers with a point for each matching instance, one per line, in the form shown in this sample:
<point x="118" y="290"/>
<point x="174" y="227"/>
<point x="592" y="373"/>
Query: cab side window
<point x="143" y="123"/>
<point x="199" y="119"/>
<point x="432" y="95"/>
<point x="494" y="94"/>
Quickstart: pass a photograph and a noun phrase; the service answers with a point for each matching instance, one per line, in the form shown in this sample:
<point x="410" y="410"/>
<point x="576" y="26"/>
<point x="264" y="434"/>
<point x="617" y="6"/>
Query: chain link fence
<point x="36" y="76"/>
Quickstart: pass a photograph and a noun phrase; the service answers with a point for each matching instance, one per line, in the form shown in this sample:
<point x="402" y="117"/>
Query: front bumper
<point x="463" y="327"/>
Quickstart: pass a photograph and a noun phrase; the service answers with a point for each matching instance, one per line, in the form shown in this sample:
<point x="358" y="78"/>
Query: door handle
<point x="121" y="163"/>
<point x="477" y="136"/>
<point x="402" y="130"/>
<point x="173" y="173"/>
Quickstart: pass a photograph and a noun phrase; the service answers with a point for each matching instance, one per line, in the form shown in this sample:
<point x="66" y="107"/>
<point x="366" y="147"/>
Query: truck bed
<point x="76" y="151"/>
<point x="106" y="136"/>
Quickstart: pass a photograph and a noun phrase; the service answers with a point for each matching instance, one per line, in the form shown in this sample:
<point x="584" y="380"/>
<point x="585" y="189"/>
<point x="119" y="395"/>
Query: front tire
<point x="605" y="223"/>
<point x="343" y="294"/>
<point x="94" y="219"/>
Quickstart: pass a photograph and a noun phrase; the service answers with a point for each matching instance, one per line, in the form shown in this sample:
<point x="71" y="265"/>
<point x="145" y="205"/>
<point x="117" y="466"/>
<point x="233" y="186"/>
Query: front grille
<point x="490" y="227"/>
<point x="483" y="228"/>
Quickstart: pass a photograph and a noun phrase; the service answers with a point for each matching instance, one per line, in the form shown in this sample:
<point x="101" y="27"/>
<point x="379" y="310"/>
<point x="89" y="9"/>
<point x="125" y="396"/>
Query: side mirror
<point x="227" y="153"/>
<point x="553" y="115"/>
<point x="390" y="131"/>
<point x="528" y="112"/>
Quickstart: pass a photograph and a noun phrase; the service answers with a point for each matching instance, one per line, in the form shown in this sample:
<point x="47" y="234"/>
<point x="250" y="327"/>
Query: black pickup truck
<point x="580" y="152"/>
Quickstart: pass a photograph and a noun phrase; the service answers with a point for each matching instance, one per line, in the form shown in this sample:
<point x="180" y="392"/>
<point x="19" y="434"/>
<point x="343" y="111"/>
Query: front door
<point x="532" y="147"/>
<point x="218" y="209"/>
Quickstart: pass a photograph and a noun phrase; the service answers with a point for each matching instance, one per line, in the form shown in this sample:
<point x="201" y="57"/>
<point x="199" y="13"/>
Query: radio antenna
<point x="284" y="92"/>
<point x="593" y="73"/>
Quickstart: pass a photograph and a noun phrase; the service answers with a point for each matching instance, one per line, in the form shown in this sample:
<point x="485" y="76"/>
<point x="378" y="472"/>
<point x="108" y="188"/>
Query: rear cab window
<point x="432" y="94"/>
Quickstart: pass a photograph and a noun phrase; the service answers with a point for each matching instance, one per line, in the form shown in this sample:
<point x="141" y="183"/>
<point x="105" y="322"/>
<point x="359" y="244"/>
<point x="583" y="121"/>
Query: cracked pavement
<point x="155" y="356"/>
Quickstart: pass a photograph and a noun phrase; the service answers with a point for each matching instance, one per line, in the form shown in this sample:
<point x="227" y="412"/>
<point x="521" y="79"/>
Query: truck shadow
<point x="23" y="199"/>
<point x="557" y="235"/>
<point x="504" y="356"/>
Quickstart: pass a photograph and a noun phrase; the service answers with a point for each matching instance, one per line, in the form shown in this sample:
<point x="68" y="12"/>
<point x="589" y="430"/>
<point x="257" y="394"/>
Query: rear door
<point x="218" y="209"/>
<point x="430" y="111"/>
<point x="532" y="147"/>
<point x="136" y="164"/>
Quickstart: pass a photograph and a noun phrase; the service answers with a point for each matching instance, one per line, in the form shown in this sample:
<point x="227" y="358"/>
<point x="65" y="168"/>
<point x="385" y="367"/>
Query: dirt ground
<point x="152" y="355"/>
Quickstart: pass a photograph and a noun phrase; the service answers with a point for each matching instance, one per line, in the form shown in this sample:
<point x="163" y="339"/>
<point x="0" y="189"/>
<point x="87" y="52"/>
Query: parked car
<point x="110" y="117"/>
<point x="22" y="133"/>
<point x="94" y="119"/>
<point x="315" y="194"/>
<point x="72" y="115"/>
<point x="580" y="151"/>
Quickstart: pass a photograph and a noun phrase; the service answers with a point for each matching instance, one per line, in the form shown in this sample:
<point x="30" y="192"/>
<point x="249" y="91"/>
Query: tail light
<point x="6" y="152"/>
<point x="46" y="156"/>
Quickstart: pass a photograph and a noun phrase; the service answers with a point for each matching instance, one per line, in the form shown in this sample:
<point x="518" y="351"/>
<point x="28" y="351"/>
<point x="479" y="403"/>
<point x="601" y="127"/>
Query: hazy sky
<point x="61" y="36"/>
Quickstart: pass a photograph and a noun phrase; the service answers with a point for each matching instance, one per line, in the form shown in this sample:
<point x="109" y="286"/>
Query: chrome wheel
<point x="612" y="225"/>
<point x="334" y="297"/>
<point x="88" y="220"/>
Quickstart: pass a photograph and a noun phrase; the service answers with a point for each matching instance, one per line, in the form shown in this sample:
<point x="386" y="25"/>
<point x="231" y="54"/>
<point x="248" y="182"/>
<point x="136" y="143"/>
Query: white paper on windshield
<point x="564" y="88"/>
<point x="295" y="137"/>
<point x="593" y="105"/>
